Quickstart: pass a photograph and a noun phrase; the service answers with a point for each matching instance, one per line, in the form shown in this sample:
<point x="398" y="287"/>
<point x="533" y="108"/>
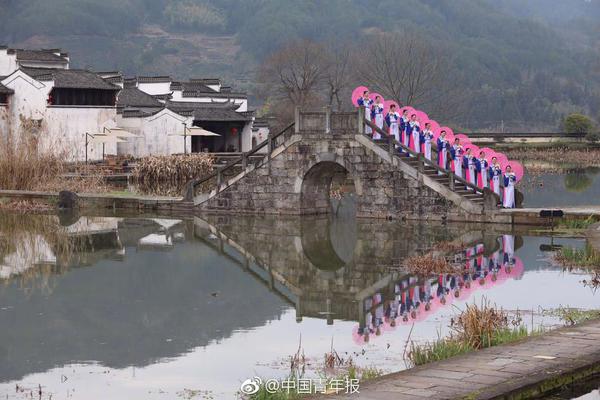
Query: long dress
<point x="457" y="155"/>
<point x="378" y="118"/>
<point x="392" y="120"/>
<point x="428" y="137"/>
<point x="443" y="146"/>
<point x="470" y="167"/>
<point x="482" y="173"/>
<point x="495" y="174"/>
<point x="415" y="136"/>
<point x="406" y="131"/>
<point x="509" y="190"/>
<point x="366" y="104"/>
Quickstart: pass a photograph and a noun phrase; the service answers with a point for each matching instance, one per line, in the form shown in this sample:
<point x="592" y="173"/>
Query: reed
<point x="24" y="165"/>
<point x="586" y="257"/>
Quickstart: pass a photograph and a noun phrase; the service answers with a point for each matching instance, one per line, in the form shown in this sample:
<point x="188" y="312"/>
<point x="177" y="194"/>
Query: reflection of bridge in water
<point x="329" y="268"/>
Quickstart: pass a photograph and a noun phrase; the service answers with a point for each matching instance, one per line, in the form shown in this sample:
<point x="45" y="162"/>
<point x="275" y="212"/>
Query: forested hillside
<point x="523" y="63"/>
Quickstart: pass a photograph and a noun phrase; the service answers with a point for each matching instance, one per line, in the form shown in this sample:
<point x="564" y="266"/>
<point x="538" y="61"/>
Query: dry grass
<point x="26" y="206"/>
<point x="427" y="265"/>
<point x="478" y="325"/>
<point x="25" y="166"/>
<point x="449" y="247"/>
<point x="167" y="175"/>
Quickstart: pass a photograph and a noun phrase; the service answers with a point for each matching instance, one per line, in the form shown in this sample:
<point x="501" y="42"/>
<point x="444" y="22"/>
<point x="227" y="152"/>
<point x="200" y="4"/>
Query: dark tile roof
<point x="153" y="79"/>
<point x="134" y="97"/>
<point x="70" y="78"/>
<point x="208" y="111"/>
<point x="139" y="113"/>
<point x="219" y="114"/>
<point x="192" y="87"/>
<point x="164" y="97"/>
<point x="5" y="90"/>
<point x="40" y="55"/>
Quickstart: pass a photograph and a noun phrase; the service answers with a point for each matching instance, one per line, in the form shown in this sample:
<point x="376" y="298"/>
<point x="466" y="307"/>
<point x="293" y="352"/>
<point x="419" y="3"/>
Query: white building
<point x="37" y="88"/>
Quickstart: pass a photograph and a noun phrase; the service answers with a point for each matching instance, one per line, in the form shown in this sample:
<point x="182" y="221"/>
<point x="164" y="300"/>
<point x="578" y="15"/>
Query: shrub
<point x="578" y="123"/>
<point x="592" y="137"/>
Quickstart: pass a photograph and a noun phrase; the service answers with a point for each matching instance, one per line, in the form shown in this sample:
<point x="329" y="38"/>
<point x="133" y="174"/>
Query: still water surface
<point x="571" y="187"/>
<point x="154" y="308"/>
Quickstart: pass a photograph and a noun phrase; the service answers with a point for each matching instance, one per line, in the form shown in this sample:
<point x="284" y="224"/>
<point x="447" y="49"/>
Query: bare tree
<point x="337" y="75"/>
<point x="407" y="69"/>
<point x="295" y="73"/>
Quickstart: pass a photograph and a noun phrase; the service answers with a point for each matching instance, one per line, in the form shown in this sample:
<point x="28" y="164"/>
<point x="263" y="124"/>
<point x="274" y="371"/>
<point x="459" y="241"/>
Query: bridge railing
<point x="422" y="161"/>
<point x="271" y="143"/>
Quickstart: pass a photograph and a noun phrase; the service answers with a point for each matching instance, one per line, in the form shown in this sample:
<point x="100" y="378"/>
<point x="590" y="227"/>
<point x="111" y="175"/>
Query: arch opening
<point x="327" y="188"/>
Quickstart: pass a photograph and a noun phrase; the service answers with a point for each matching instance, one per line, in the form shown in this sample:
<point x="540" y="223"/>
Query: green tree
<point x="578" y="123"/>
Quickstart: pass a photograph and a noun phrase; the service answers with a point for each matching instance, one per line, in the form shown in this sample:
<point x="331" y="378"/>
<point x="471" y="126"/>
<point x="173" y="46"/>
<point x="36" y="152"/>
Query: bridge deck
<point x="529" y="367"/>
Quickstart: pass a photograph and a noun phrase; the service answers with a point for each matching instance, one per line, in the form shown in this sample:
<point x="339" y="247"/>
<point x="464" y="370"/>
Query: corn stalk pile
<point x="167" y="175"/>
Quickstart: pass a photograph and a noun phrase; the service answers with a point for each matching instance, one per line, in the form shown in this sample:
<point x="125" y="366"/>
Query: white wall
<point x="261" y="135"/>
<point x="159" y="134"/>
<point x="63" y="128"/>
<point x="8" y="62"/>
<point x="153" y="88"/>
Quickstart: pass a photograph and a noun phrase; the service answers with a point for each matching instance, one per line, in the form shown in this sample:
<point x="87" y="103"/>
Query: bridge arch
<point x="315" y="191"/>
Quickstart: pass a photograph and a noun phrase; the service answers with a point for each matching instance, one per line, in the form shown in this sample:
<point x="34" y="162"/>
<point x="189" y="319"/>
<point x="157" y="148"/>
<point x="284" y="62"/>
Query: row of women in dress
<point x="413" y="299"/>
<point x="475" y="168"/>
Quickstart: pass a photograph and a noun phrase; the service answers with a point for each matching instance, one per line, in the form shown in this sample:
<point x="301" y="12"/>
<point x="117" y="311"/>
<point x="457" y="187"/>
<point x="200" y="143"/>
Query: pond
<point x="162" y="308"/>
<point x="562" y="188"/>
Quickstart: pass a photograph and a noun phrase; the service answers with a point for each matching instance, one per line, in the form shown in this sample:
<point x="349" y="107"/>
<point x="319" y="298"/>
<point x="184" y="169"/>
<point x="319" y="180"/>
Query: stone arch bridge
<point x="296" y="167"/>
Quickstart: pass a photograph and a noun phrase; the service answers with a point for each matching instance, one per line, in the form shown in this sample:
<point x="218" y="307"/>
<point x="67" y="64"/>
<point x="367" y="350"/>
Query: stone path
<point x="532" y="366"/>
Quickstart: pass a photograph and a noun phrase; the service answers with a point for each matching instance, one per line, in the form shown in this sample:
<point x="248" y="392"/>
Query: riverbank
<point x="520" y="370"/>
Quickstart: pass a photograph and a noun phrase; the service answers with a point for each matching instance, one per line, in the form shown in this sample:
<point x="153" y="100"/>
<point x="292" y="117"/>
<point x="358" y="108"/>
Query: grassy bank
<point x="477" y="327"/>
<point x="573" y="257"/>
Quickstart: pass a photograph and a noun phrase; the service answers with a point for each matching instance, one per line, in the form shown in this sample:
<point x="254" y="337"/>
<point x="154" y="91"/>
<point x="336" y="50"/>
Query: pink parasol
<point x="357" y="94"/>
<point x="517" y="168"/>
<point x="464" y="139"/>
<point x="357" y="337"/>
<point x="434" y="125"/>
<point x="409" y="109"/>
<point x="421" y="117"/>
<point x="372" y="96"/>
<point x="489" y="153"/>
<point x="387" y="104"/>
<point x="474" y="149"/>
<point x="449" y="133"/>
